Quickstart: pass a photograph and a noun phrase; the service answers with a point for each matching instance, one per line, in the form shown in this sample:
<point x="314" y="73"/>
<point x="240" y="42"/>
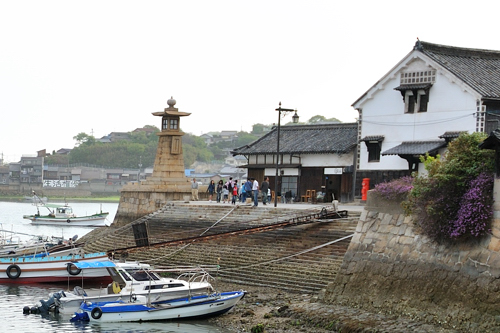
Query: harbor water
<point x="14" y="297"/>
<point x="11" y="219"/>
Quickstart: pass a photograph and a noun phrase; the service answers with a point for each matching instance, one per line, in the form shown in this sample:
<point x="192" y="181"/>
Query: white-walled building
<point x="311" y="156"/>
<point x="425" y="100"/>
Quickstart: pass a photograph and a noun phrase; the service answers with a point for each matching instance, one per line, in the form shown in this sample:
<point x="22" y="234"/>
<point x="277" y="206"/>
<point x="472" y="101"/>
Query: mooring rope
<point x="288" y="257"/>
<point x="185" y="246"/>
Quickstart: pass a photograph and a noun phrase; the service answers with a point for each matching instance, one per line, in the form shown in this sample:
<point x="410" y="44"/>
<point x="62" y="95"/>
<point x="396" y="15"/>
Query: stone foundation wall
<point x="390" y="268"/>
<point x="135" y="204"/>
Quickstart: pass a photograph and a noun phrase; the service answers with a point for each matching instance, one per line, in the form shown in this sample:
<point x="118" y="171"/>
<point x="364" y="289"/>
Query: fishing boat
<point x="52" y="268"/>
<point x="133" y="278"/>
<point x="140" y="309"/>
<point x="63" y="215"/>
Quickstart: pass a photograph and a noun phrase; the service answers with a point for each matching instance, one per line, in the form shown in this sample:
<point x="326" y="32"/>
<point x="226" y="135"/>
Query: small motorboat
<point x="63" y="215"/>
<point x="140" y="309"/>
<point x="52" y="267"/>
<point x="133" y="278"/>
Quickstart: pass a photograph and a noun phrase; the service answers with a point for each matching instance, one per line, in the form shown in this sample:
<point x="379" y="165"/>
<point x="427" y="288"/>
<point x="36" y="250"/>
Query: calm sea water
<point x="11" y="219"/>
<point x="13" y="297"/>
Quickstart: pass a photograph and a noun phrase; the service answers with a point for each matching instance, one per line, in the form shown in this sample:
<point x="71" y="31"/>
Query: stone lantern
<point x="169" y="162"/>
<point x="168" y="181"/>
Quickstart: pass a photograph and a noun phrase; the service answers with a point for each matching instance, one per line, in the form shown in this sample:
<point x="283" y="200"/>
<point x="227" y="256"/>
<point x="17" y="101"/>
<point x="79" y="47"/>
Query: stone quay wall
<point x="391" y="269"/>
<point x="138" y="201"/>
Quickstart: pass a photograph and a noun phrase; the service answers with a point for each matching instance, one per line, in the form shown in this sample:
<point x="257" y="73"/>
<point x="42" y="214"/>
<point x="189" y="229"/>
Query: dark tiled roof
<point x="451" y="134"/>
<point x="378" y="138"/>
<point x="492" y="141"/>
<point x="404" y="87"/>
<point x="415" y="148"/>
<point x="337" y="138"/>
<point x="480" y="69"/>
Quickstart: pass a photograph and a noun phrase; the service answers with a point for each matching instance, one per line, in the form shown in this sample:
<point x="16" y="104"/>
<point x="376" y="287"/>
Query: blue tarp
<point x="94" y="264"/>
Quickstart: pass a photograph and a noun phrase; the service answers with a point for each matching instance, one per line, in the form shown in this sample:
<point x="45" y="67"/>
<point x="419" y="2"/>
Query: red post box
<point x="365" y="186"/>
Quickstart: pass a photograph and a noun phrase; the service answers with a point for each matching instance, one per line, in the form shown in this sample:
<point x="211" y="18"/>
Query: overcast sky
<point x="104" y="66"/>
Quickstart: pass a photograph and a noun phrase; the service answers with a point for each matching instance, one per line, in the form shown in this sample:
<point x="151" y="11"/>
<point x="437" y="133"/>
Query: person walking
<point x="218" y="190"/>
<point x="194" y="190"/>
<point x="235" y="192"/>
<point x="211" y="190"/>
<point x="242" y="191"/>
<point x="264" y="188"/>
<point x="255" y="189"/>
<point x="225" y="194"/>
<point x="230" y="184"/>
<point x="248" y="189"/>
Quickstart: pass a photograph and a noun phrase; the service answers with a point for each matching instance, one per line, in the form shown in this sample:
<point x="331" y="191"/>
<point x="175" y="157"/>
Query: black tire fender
<point x="72" y="269"/>
<point x="96" y="312"/>
<point x="9" y="271"/>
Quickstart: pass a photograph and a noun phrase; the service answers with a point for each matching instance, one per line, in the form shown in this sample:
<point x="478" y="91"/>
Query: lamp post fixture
<point x="295" y="120"/>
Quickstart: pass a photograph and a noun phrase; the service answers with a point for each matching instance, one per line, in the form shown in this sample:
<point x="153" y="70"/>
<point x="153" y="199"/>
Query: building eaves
<point x="337" y="138"/>
<point x="416" y="148"/>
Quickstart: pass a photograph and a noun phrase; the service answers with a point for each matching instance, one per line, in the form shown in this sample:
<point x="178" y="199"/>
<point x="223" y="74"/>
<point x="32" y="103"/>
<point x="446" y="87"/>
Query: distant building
<point x="31" y="170"/>
<point x="235" y="161"/>
<point x="63" y="151"/>
<point x="311" y="156"/>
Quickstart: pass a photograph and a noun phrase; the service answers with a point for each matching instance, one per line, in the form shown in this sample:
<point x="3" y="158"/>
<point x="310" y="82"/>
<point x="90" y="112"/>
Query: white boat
<point x="63" y="215"/>
<point x="52" y="268"/>
<point x="133" y="278"/>
<point x="13" y="245"/>
<point x="140" y="309"/>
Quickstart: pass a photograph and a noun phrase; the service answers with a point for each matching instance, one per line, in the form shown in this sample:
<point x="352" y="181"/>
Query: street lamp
<point x="295" y="120"/>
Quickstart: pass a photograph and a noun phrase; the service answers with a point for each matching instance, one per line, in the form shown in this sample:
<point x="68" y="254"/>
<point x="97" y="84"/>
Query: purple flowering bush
<point x="476" y="209"/>
<point x="396" y="189"/>
<point x="454" y="202"/>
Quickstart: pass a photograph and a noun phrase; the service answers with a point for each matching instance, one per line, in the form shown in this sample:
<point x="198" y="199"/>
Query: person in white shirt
<point x="255" y="190"/>
<point x="194" y="190"/>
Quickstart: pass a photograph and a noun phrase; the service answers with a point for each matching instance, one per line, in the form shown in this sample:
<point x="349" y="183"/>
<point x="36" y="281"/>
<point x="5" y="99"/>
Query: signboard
<point x="333" y="171"/>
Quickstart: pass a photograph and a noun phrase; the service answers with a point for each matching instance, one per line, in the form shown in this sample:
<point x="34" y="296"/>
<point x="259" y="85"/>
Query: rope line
<point x="288" y="257"/>
<point x="185" y="246"/>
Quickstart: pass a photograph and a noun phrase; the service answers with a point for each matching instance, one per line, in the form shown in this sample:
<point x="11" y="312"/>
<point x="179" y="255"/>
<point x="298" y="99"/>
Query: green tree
<point x="321" y="119"/>
<point x="84" y="139"/>
<point x="258" y="129"/>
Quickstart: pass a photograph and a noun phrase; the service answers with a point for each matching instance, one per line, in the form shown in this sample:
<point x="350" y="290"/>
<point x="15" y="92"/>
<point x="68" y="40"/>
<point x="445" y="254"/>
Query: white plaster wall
<point x="312" y="160"/>
<point x="451" y="108"/>
<point x="327" y="160"/>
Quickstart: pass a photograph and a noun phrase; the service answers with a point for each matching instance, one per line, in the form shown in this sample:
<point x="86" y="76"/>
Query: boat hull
<point x="196" y="307"/>
<point x="97" y="220"/>
<point x="51" y="269"/>
<point x="70" y="303"/>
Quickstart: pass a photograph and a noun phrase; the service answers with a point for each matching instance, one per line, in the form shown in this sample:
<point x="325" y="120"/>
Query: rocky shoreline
<point x="274" y="311"/>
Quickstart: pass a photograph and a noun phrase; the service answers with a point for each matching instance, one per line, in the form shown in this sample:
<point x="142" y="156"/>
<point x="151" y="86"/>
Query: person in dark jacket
<point x="220" y="184"/>
<point x="264" y="187"/>
<point x="211" y="190"/>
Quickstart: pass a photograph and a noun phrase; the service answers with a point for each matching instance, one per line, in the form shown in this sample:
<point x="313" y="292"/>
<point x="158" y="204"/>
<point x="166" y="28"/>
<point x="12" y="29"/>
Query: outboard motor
<point x="80" y="317"/>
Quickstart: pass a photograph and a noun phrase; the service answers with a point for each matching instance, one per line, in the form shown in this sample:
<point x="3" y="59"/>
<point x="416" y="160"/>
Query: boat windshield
<point x="142" y="275"/>
<point x="64" y="210"/>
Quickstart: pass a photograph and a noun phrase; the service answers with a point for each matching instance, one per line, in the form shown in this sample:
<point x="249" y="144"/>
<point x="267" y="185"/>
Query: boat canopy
<point x="94" y="264"/>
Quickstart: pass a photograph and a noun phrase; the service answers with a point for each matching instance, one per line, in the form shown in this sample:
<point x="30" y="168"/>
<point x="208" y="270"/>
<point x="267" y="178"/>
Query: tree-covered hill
<point x="139" y="147"/>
